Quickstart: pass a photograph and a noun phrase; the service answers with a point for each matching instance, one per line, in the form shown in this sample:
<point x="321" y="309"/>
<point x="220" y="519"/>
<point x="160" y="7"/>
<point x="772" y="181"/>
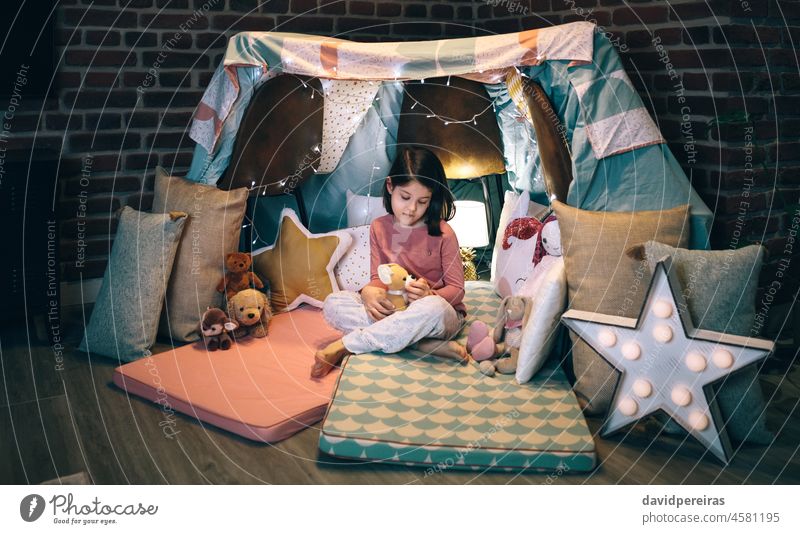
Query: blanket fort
<point x="480" y="58"/>
<point x="619" y="159"/>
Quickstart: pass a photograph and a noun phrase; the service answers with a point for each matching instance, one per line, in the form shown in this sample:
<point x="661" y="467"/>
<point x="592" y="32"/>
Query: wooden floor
<point x="57" y="423"/>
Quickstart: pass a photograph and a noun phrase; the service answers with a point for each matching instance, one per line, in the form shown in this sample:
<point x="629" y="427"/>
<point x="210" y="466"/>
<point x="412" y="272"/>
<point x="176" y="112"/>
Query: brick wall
<point x="735" y="61"/>
<point x="111" y="144"/>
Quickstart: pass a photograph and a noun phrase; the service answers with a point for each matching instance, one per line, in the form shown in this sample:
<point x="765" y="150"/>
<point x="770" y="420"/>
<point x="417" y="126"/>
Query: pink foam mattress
<point x="259" y="389"/>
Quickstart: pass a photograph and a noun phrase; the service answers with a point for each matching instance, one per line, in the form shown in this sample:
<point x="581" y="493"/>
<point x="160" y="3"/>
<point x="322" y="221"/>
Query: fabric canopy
<point x="620" y="161"/>
<point x="619" y="158"/>
<point x="484" y="59"/>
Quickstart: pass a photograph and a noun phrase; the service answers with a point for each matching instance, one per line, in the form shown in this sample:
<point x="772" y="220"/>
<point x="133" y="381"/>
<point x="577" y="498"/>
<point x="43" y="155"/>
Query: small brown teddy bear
<point x="214" y="328"/>
<point x="397" y="279"/>
<point x="238" y="275"/>
<point x="250" y="309"/>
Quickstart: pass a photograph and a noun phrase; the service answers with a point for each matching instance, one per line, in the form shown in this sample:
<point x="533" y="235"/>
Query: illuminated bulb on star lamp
<point x="662" y="333"/>
<point x="607" y="338"/>
<point x="698" y="420"/>
<point x="722" y="358"/>
<point x="695" y="361"/>
<point x="631" y="350"/>
<point x="662" y="309"/>
<point x="627" y="407"/>
<point x="681" y="396"/>
<point x="642" y="388"/>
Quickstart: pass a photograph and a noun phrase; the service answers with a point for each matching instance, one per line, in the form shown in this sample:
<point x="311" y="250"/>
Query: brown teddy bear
<point x="214" y="328"/>
<point x="238" y="275"/>
<point x="397" y="279"/>
<point x="250" y="309"/>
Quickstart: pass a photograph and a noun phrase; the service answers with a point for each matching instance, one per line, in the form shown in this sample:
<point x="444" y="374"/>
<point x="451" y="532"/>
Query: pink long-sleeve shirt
<point x="434" y="258"/>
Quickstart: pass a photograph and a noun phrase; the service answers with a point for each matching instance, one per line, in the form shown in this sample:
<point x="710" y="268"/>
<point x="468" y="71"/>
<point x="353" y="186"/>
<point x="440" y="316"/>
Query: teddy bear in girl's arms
<point x="214" y="329"/>
<point x="414" y="232"/>
<point x="238" y="275"/>
<point x="397" y="279"/>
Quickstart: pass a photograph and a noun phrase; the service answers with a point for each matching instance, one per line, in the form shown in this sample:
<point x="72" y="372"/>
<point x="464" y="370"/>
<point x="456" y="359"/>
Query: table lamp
<point x="472" y="231"/>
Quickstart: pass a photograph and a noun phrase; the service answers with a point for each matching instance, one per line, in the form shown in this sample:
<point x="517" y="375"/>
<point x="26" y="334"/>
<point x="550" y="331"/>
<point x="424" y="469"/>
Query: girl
<point x="414" y="235"/>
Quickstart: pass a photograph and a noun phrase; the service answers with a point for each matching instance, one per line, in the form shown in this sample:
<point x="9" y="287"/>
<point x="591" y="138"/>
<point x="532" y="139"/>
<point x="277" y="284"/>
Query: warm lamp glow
<point x="461" y="170"/>
<point x="469" y="224"/>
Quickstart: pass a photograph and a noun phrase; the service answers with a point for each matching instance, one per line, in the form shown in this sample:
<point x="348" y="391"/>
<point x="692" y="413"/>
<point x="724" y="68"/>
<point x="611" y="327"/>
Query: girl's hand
<point x="376" y="303"/>
<point x="417" y="289"/>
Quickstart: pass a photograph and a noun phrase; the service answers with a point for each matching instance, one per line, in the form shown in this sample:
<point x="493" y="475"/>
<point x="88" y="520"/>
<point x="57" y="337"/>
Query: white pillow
<point x="512" y="266"/>
<point x="548" y="288"/>
<point x="362" y="209"/>
<point x="509" y="203"/>
<point x="352" y="271"/>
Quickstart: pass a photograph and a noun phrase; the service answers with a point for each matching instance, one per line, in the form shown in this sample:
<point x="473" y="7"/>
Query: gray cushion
<point x="212" y="231"/>
<point x="720" y="289"/>
<point x="124" y="320"/>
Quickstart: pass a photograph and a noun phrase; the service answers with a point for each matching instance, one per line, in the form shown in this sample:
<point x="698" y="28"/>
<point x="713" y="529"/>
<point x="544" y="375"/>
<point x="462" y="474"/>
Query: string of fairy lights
<point x="429" y="113"/>
<point x="423" y="109"/>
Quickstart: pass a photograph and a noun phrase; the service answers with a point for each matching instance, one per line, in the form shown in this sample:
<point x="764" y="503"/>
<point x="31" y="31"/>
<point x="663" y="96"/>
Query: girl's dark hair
<point x="420" y="164"/>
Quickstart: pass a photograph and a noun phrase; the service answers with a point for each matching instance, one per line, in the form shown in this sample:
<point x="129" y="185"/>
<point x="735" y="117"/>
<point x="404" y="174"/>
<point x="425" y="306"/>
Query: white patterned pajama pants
<point x="428" y="317"/>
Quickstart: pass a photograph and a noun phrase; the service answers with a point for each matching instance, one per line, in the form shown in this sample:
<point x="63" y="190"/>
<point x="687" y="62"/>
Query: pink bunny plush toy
<point x="505" y="337"/>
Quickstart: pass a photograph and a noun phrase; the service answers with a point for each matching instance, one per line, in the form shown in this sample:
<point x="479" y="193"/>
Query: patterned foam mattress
<point x="427" y="411"/>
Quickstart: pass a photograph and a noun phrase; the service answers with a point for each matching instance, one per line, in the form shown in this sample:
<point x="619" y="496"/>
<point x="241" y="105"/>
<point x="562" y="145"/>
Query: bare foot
<point x="328" y="358"/>
<point x="445" y="349"/>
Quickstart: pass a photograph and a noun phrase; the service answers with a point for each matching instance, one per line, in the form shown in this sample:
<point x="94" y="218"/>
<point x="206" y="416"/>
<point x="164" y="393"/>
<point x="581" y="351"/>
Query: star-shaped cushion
<point x="299" y="266"/>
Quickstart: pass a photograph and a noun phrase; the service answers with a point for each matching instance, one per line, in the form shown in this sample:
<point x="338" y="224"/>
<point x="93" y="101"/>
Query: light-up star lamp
<point x="665" y="363"/>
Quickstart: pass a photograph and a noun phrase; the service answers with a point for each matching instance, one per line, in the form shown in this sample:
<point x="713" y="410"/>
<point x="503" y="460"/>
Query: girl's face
<point x="410" y="201"/>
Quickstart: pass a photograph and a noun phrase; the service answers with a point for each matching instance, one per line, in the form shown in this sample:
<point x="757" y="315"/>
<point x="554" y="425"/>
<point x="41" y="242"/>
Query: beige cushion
<point x="601" y="278"/>
<point x="211" y="231"/>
